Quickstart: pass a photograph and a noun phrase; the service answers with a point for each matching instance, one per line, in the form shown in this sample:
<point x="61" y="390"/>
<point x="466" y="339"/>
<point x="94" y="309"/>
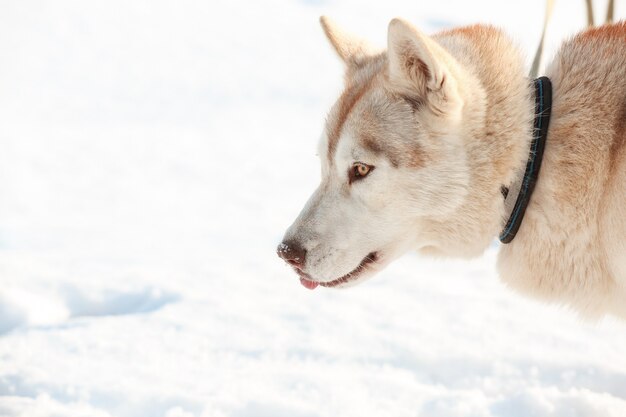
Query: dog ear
<point x="351" y="50"/>
<point x="419" y="68"/>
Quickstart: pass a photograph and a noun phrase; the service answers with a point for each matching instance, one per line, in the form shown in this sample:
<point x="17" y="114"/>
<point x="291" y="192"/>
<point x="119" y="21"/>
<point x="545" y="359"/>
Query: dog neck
<point x="499" y="114"/>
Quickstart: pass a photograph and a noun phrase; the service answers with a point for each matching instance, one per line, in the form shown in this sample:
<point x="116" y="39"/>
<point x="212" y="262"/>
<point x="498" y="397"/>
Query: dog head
<point x="393" y="159"/>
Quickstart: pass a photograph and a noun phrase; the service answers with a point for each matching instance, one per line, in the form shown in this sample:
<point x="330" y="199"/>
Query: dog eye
<point x="359" y="171"/>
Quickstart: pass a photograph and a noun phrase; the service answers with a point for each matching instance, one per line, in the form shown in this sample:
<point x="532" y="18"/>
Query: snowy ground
<point x="152" y="154"/>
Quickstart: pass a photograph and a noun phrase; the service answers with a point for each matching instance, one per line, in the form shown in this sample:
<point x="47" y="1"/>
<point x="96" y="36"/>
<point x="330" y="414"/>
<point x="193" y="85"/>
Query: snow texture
<point x="151" y="155"/>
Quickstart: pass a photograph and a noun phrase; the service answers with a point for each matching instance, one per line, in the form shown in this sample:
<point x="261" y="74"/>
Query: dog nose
<point x="292" y="253"/>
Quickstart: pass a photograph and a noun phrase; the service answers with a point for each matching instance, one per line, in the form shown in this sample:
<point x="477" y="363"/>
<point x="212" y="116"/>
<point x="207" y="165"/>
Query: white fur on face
<point x="342" y="223"/>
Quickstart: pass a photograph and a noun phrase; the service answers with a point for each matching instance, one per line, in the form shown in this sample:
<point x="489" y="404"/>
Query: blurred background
<point x="152" y="154"/>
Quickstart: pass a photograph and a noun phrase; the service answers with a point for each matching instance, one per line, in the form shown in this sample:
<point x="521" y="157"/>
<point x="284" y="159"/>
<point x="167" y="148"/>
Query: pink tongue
<point x="308" y="283"/>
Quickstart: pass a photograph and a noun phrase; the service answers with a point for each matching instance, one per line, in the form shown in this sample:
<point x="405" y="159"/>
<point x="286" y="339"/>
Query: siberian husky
<point x="420" y="149"/>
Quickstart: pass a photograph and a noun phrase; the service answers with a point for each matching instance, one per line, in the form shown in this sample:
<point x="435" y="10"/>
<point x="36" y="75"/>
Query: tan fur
<point x="447" y="120"/>
<point x="572" y="244"/>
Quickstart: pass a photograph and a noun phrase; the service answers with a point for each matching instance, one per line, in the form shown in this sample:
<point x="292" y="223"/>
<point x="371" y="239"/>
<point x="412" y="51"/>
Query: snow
<point x="154" y="152"/>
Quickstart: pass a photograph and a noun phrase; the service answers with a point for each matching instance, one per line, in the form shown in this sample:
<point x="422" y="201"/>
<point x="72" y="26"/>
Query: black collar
<point x="543" y="108"/>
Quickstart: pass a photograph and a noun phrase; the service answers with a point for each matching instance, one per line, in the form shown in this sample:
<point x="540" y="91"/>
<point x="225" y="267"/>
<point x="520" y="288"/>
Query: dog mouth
<point x="353" y="275"/>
